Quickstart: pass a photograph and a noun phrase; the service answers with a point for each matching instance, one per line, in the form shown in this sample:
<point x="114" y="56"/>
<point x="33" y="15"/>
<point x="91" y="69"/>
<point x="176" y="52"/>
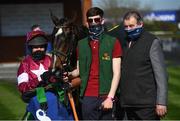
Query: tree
<point x="115" y="9"/>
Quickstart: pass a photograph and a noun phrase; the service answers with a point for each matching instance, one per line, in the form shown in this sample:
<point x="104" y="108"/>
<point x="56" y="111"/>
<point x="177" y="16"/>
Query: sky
<point x="155" y="4"/>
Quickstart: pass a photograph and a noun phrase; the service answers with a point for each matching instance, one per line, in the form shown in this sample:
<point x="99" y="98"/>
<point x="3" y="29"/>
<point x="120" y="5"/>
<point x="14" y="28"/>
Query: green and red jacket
<point x="105" y="58"/>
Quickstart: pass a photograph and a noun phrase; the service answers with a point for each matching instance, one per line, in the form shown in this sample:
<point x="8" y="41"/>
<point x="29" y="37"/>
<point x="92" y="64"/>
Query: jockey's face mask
<point x="38" y="52"/>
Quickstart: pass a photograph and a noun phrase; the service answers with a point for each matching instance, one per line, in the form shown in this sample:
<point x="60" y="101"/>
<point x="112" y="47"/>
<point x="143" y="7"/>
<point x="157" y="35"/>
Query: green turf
<point x="174" y="93"/>
<point x="12" y="107"/>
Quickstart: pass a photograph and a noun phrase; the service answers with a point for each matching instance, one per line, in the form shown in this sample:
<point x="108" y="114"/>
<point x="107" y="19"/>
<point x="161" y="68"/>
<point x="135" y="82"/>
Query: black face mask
<point x="95" y="31"/>
<point x="38" y="55"/>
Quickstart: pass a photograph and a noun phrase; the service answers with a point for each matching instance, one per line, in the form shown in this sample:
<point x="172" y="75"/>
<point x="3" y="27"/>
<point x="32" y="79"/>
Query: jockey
<point x="34" y="79"/>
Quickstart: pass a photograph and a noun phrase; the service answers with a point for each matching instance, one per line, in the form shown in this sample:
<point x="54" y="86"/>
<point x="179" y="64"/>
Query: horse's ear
<point x="54" y="18"/>
<point x="73" y="20"/>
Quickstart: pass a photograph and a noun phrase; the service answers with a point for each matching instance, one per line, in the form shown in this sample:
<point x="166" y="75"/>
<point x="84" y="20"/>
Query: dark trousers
<point x="133" y="113"/>
<point x="91" y="109"/>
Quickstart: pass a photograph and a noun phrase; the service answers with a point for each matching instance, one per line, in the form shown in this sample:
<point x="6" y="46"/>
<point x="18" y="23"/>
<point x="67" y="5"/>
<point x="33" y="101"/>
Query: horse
<point x="64" y="40"/>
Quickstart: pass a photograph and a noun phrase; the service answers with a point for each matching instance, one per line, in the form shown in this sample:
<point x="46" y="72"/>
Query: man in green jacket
<point x="99" y="59"/>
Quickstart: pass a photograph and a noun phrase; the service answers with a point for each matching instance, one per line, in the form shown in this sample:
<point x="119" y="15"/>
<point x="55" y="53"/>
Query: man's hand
<point x="161" y="110"/>
<point x="107" y="104"/>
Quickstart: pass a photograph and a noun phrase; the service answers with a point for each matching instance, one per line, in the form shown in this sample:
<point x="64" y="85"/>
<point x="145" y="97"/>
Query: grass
<point x="12" y="107"/>
<point x="174" y="93"/>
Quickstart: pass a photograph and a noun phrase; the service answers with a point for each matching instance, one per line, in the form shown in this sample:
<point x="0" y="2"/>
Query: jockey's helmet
<point x="37" y="38"/>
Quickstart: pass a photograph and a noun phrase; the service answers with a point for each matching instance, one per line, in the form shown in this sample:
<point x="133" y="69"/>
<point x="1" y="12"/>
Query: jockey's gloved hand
<point x="46" y="76"/>
<point x="57" y="73"/>
<point x="44" y="106"/>
<point x="66" y="86"/>
<point x="26" y="96"/>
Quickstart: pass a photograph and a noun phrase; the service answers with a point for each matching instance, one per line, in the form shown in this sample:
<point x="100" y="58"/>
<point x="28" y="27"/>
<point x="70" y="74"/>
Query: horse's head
<point x="64" y="42"/>
<point x="63" y="33"/>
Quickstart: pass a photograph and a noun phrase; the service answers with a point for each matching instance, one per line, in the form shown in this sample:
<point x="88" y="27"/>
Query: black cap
<point x="38" y="40"/>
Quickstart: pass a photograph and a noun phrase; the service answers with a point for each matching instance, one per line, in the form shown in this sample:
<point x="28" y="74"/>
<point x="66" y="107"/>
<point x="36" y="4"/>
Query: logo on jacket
<point x="106" y="56"/>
